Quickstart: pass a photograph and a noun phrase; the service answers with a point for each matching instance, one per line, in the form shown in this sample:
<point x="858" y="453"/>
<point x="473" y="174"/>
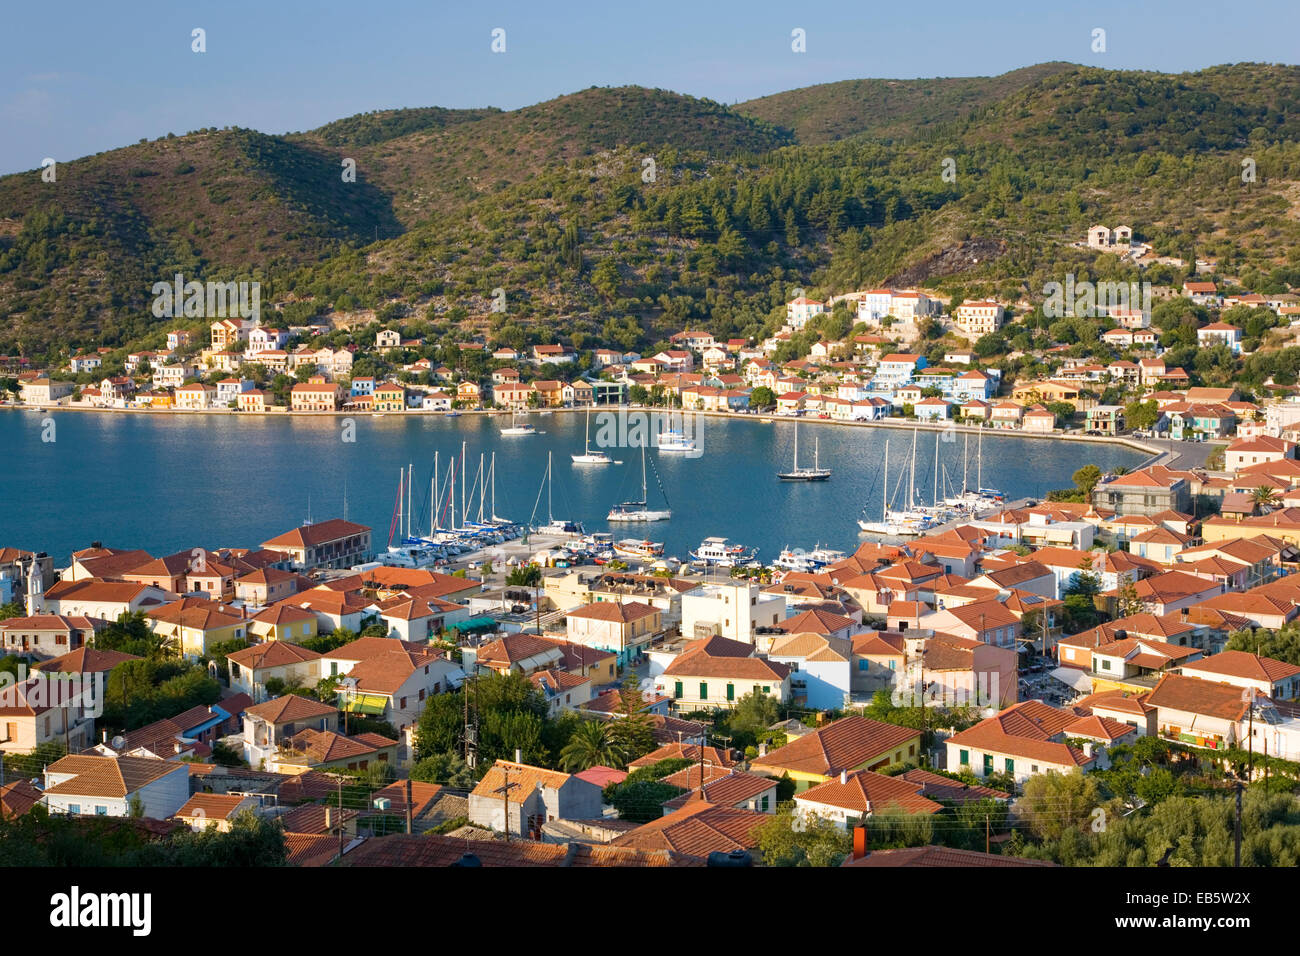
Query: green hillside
<point x="550" y="204"/>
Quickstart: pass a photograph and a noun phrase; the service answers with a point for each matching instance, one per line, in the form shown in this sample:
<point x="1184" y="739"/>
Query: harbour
<point x="170" y="479"/>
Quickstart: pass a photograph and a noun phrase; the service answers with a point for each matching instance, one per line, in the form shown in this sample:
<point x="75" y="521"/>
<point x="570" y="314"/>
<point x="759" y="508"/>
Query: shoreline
<point x="1153" y="452"/>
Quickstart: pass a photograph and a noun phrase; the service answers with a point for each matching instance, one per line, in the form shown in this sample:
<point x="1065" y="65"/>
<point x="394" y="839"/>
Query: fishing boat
<point x="638" y="548"/>
<point x="589" y="457"/>
<point x="515" y="428"/>
<point x="815" y="473"/>
<point x="721" y="553"/>
<point x="629" y="511"/>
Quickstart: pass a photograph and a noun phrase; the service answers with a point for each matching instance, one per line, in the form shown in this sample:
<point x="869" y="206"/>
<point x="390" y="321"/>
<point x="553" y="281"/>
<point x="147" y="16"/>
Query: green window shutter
<point x="965" y="758"/>
<point x="677" y="690"/>
<point x="767" y="689"/>
<point x="704" y="691"/>
<point x="988" y="763"/>
<point x="1011" y="765"/>
<point x="731" y="692"/>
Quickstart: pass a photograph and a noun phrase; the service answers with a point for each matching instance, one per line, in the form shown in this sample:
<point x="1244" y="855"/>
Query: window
<point x="911" y="750"/>
<point x="1105" y="664"/>
<point x="988" y="763"/>
<point x="403" y="705"/>
<point x="704" y="691"/>
<point x="677" y="690"/>
<point x="421" y="693"/>
<point x="767" y="689"/>
<point x="763" y="804"/>
<point x="964" y="759"/>
<point x="1010" y="765"/>
<point x="101" y="811"/>
<point x="74" y="808"/>
<point x="1033" y="768"/>
<point x="731" y="692"/>
<point x="864" y="664"/>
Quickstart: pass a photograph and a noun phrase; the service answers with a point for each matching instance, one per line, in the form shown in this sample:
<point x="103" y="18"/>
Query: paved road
<point x="1187" y="454"/>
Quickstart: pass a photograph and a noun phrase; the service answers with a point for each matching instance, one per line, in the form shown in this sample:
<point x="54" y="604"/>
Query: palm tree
<point x="1119" y="470"/>
<point x="591" y="745"/>
<point x="1264" y="495"/>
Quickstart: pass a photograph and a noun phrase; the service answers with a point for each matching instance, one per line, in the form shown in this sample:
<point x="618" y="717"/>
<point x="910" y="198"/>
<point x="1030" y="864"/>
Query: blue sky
<point x="94" y="75"/>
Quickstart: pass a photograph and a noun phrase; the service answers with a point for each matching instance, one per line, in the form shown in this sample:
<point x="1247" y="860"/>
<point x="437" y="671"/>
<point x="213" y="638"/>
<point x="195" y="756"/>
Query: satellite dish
<point x="118" y="742"/>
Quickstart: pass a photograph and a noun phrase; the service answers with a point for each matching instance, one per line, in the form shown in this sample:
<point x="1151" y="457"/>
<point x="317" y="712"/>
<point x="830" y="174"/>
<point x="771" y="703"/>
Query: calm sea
<point x="164" y="483"/>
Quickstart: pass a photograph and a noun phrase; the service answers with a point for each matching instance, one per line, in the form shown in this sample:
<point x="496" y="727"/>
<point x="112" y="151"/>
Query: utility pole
<point x="1237" y="858"/>
<point x="986" y="833"/>
<point x="504" y="790"/>
<point x="1249" y="695"/>
<point x="924" y="716"/>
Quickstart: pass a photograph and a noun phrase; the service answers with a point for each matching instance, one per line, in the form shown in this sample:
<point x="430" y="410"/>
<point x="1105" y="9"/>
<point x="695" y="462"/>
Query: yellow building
<point x="283" y="622"/>
<point x="390" y="398"/>
<point x="1032" y="393"/>
<point x="193" y="625"/>
<point x="848" y="744"/>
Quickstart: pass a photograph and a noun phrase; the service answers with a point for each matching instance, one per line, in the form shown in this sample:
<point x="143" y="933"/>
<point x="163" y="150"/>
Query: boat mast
<point x="884" y="496"/>
<point x="494" y="486"/>
<point x="645" y="497"/>
<point x="979" y="464"/>
<point x="936" y="469"/>
<point x="550" y="515"/>
<point x="463" y="512"/>
<point x="410" y="487"/>
<point x="911" y="485"/>
<point x="965" y="467"/>
<point x="434" y="526"/>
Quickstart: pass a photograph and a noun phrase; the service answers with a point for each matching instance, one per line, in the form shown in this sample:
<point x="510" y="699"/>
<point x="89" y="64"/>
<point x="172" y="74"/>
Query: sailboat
<point x="980" y="498"/>
<point x="893" y="522"/>
<point x="637" y="510"/>
<point x="515" y="428"/>
<point x="815" y="473"/>
<point x="554" y="525"/>
<point x="589" y="457"/>
<point x="673" y="439"/>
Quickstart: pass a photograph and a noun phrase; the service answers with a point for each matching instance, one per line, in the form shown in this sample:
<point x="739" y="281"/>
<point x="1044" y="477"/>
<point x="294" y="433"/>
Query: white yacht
<point x="721" y="553"/>
<point x="517" y="429"/>
<point x="628" y="511"/>
<point x="589" y="457"/>
<point x="674" y="439"/>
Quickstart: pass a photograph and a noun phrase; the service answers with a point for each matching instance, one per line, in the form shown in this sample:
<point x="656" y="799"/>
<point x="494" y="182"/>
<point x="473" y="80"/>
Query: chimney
<point x="844" y="776"/>
<point x="519" y="755"/>
<point x="105" y="735"/>
<point x="762" y="748"/>
<point x="329" y="817"/>
<point x="859" y="842"/>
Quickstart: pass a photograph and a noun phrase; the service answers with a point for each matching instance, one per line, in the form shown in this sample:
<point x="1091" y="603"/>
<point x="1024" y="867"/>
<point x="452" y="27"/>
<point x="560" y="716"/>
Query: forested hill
<point x="624" y="213"/>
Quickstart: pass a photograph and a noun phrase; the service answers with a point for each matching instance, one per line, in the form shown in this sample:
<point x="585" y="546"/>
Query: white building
<point x="734" y="610"/>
